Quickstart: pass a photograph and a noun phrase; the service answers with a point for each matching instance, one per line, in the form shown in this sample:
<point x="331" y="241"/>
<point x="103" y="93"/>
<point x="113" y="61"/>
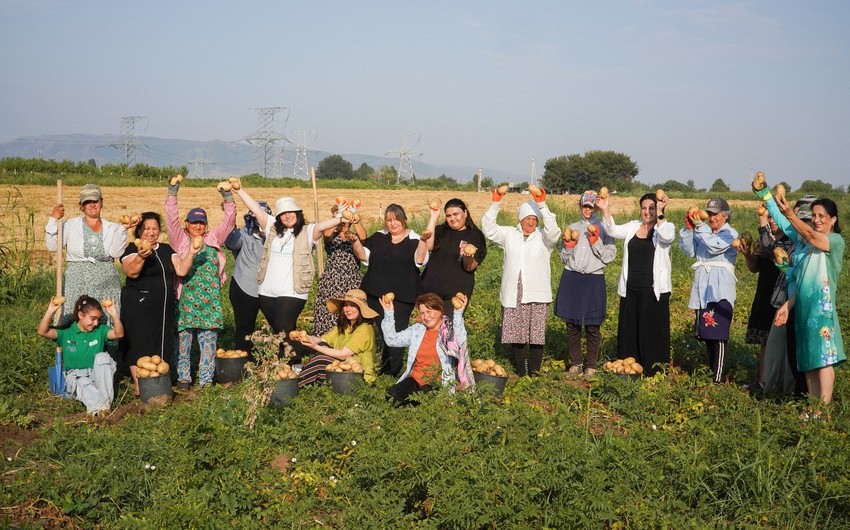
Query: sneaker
<point x="183" y="385"/>
<point x="589" y="373"/>
<point x="574" y="371"/>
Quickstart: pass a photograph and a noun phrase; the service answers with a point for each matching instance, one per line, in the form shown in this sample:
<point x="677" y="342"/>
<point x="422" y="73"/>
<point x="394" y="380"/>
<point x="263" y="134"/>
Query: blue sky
<point x="690" y="90"/>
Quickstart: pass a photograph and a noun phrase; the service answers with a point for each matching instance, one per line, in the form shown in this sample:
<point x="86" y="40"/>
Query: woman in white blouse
<point x="643" y="329"/>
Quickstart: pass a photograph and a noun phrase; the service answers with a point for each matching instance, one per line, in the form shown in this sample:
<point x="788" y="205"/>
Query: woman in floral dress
<point x="820" y="345"/>
<point x="342" y="271"/>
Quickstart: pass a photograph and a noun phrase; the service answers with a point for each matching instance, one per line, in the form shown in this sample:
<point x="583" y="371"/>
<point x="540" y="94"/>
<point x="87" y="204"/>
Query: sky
<point x="688" y="89"/>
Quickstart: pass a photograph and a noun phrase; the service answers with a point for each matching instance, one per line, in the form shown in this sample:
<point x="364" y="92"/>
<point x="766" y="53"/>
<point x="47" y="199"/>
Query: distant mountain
<point x="219" y="158"/>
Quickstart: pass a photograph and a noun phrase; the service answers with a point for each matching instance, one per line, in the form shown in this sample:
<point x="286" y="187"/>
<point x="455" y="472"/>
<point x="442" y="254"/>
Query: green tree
<point x="335" y="167"/>
<point x="364" y="172"/>
<point x="386" y="175"/>
<point x="594" y="169"/>
<point x="719" y="186"/>
<point x="818" y="187"/>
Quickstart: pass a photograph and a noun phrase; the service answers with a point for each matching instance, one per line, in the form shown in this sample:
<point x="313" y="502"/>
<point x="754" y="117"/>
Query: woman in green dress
<point x="819" y="343"/>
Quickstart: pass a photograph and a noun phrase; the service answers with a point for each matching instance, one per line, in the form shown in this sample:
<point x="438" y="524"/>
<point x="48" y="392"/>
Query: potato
<point x="490" y="363"/>
<point x="574" y="235"/>
<point x="746" y="238"/>
<point x="457" y="303"/>
<point x="660" y="195"/>
<point x="197" y="242"/>
<point x="156" y="359"/>
<point x="758" y="181"/>
<point x="219" y="351"/>
<point x="144" y="359"/>
<point x="147" y="366"/>
<point x="235" y="183"/>
<point x="592" y="229"/>
<point x="503" y="189"/>
<point x="176" y="179"/>
<point x="388" y="298"/>
<point x="292" y="375"/>
<point x="435" y="204"/>
<point x="162" y="368"/>
<point x="224" y="186"/>
<point x="146" y="245"/>
<point x="629" y="360"/>
<point x="603" y="192"/>
<point x="736" y="244"/>
<point x="347" y="215"/>
<point x="135" y="218"/>
<point x="469" y="249"/>
<point x="637" y="368"/>
<point x="568" y="234"/>
<point x="356" y="203"/>
<point x="500" y="372"/>
<point x="779" y="191"/>
<point x="295" y="334"/>
<point x="143" y="372"/>
<point x="125" y="219"/>
<point x="340" y="200"/>
<point x="107" y="302"/>
<point x="761" y="210"/>
<point x="534" y="190"/>
<point x="702" y="215"/>
<point x="780" y="256"/>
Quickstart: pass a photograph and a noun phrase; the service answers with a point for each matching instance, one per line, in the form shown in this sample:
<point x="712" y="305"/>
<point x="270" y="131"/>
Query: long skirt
<point x="643" y="329"/>
<point x="525" y="323"/>
<point x="778" y="376"/>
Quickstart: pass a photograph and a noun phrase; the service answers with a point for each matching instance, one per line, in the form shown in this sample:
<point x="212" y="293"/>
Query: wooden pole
<point x="60" y="256"/>
<point x="320" y="248"/>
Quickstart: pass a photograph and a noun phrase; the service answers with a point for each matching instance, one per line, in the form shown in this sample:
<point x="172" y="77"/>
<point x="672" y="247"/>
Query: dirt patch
<point x="13" y="440"/>
<point x="37" y="514"/>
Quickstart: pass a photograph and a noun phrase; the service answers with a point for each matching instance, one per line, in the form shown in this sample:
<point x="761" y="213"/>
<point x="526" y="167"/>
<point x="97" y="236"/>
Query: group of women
<point x="176" y="288"/>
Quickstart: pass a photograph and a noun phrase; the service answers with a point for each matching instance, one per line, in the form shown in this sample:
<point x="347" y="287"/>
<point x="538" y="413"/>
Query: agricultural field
<point x="672" y="451"/>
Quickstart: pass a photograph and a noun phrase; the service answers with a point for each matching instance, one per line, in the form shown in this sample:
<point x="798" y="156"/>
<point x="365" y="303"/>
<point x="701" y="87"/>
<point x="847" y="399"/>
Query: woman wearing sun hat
<point x="92" y="245"/>
<point x="286" y="271"/>
<point x="199" y="310"/>
<point x="713" y="289"/>
<point x="352" y="338"/>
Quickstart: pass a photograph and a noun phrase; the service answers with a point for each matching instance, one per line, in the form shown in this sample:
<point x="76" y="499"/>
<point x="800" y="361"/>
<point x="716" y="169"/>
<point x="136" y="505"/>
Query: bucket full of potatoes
<point x="627" y="368"/>
<point x="154" y="378"/>
<point x="490" y="372"/>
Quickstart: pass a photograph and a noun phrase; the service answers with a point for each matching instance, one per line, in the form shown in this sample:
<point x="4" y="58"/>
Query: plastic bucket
<point x="229" y="369"/>
<point x="151" y="387"/>
<point x="284" y="391"/>
<point x="344" y="382"/>
<point x="498" y="383"/>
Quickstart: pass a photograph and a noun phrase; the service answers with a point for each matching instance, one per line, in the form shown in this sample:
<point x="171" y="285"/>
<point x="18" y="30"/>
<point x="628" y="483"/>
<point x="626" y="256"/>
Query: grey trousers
<point x="93" y="386"/>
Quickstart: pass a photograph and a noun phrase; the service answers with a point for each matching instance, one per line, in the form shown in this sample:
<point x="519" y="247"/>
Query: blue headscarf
<point x="251" y="223"/>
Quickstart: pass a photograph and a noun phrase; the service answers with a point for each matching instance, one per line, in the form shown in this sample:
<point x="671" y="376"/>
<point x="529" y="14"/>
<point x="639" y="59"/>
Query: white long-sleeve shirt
<point x="662" y="240"/>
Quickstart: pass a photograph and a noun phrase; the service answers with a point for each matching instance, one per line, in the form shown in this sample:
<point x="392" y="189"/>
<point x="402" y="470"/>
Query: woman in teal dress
<point x="819" y="343"/>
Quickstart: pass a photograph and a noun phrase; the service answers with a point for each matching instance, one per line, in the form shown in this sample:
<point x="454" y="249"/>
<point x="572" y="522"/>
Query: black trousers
<point x="282" y="314"/>
<point x="643" y="328"/>
<point x="245" y="311"/>
<point x="392" y="358"/>
<point x="401" y="391"/>
<point x="594" y="341"/>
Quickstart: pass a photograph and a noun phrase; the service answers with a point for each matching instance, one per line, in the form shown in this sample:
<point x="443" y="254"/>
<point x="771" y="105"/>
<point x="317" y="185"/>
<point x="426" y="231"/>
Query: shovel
<point x="56" y="376"/>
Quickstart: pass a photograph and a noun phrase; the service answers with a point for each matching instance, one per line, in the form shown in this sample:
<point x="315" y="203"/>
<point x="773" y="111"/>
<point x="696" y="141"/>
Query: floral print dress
<point x="819" y="340"/>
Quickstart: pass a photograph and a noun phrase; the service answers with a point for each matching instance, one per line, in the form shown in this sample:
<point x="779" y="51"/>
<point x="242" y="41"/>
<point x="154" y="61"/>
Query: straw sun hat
<point x="355" y="296"/>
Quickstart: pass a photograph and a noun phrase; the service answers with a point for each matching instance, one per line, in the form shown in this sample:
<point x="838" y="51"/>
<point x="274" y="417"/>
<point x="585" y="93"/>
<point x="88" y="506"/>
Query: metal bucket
<point x="151" y="387"/>
<point x="498" y="383"/>
<point x="284" y="391"/>
<point x="229" y="369"/>
<point x="344" y="382"/>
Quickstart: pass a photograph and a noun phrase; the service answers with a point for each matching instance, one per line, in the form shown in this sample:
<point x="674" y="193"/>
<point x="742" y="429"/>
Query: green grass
<point x="673" y="451"/>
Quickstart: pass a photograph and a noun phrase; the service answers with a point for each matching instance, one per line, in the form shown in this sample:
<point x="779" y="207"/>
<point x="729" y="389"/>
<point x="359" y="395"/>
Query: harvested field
<point x="126" y="200"/>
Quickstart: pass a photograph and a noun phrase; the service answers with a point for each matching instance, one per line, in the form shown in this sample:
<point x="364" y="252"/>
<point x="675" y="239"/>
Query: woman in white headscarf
<point x="526" y="290"/>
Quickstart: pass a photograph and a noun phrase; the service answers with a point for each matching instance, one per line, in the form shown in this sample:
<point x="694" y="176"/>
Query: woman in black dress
<point x="457" y="248"/>
<point x="148" y="298"/>
<point x="393" y="268"/>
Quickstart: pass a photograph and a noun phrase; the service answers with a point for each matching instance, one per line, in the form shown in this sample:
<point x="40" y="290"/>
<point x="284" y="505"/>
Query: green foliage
<point x="821" y="188"/>
<point x="334" y="167"/>
<point x="719" y="186"/>
<point x="594" y="169"/>
<point x="364" y="172"/>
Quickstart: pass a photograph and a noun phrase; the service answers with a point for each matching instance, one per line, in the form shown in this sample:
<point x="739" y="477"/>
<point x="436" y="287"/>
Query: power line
<point x="128" y="142"/>
<point x="264" y="138"/>
<point x="301" y="148"/>
<point x="405" y="163"/>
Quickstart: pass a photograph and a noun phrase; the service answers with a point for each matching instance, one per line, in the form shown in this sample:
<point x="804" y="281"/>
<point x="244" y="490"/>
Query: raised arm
<point x="262" y="217"/>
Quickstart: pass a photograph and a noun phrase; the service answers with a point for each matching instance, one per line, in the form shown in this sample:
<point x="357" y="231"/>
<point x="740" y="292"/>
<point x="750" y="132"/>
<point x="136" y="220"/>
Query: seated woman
<point x="436" y="348"/>
<point x="352" y="337"/>
<point x="89" y="370"/>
